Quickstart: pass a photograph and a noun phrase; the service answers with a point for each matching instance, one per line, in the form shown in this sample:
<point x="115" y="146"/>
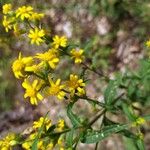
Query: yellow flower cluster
<point x="39" y="69"/>
<point x="139" y="121"/>
<point x="44" y="144"/>
<point x="38" y="72"/>
<point x="23" y="15"/>
<point x="8" y="142"/>
<point x="40" y="130"/>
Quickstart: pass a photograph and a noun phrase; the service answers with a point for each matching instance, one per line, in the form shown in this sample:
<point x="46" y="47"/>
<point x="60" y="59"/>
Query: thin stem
<point x="96" y="146"/>
<point x="93" y="101"/>
<point x="96" y="117"/>
<point x="96" y="72"/>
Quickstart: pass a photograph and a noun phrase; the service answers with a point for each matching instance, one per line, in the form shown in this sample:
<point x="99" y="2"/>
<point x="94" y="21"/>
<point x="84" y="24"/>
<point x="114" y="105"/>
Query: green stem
<point x="96" y="72"/>
<point x="96" y="117"/>
<point x="93" y="101"/>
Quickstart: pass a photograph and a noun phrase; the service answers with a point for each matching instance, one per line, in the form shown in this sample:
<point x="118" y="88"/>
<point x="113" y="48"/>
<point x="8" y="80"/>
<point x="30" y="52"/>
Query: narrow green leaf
<point x="128" y="112"/>
<point x="96" y="136"/>
<point x="74" y="118"/>
<point x="69" y="138"/>
<point x="140" y="144"/>
<point x="110" y="92"/>
<point x="34" y="145"/>
<point x="146" y="117"/>
<point x="129" y="144"/>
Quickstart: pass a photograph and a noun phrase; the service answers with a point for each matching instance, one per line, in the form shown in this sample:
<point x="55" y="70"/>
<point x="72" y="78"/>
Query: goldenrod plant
<point x="39" y="81"/>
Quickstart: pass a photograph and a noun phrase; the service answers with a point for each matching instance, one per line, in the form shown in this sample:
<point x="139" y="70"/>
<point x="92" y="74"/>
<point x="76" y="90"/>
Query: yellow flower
<point x="55" y="89"/>
<point x="75" y="85"/>
<point x="7" y="8"/>
<point x="24" y="12"/>
<point x="19" y="65"/>
<point x="77" y="55"/>
<point x="42" y="121"/>
<point x="36" y="16"/>
<point x="29" y="142"/>
<point x="34" y="68"/>
<point x="148" y="43"/>
<point x="32" y="91"/>
<point x="16" y="29"/>
<point x="50" y="146"/>
<point x="60" y="125"/>
<point x="7" y="142"/>
<point x="139" y="121"/>
<point x="51" y="56"/>
<point x="36" y="36"/>
<point x="7" y="23"/>
<point x="59" y="41"/>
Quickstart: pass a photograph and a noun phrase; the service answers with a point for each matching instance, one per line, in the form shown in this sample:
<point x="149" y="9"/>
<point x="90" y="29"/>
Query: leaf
<point x="69" y="138"/>
<point x="140" y="144"/>
<point x="74" y="118"/>
<point x="128" y="112"/>
<point x="146" y="117"/>
<point x="34" y="145"/>
<point x="110" y="92"/>
<point x="129" y="144"/>
<point x="96" y="136"/>
<point x="51" y="129"/>
<point x="128" y="134"/>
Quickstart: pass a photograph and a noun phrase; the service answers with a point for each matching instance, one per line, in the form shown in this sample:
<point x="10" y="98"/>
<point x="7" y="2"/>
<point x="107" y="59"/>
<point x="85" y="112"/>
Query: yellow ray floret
<point x="36" y="35"/>
<point x="36" y="16"/>
<point x="75" y="85"/>
<point x="42" y="121"/>
<point x="20" y="64"/>
<point x="51" y="56"/>
<point x="148" y="43"/>
<point x="7" y="142"/>
<point x="55" y="89"/>
<point x="59" y="41"/>
<point x="32" y="91"/>
<point x="77" y="55"/>
<point x="60" y="125"/>
<point x="7" y="8"/>
<point x="24" y="12"/>
<point x="7" y="23"/>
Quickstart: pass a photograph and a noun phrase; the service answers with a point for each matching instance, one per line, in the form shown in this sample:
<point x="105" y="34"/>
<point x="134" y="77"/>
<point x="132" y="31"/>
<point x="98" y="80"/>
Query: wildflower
<point x="34" y="68"/>
<point x="7" y="8"/>
<point x="7" y="23"/>
<point x="59" y="41"/>
<point x="148" y="43"/>
<point x="36" y="36"/>
<point x="16" y="29"/>
<point x="60" y="142"/>
<point x="77" y="55"/>
<point x="24" y="12"/>
<point x="27" y="145"/>
<point x="60" y="125"/>
<point x="50" y="146"/>
<point x="32" y="91"/>
<point x="36" y="16"/>
<point x="51" y="56"/>
<point x="42" y="121"/>
<point x="75" y="85"/>
<point x="55" y="89"/>
<point x="7" y="142"/>
<point x="139" y="121"/>
<point x="19" y="65"/>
